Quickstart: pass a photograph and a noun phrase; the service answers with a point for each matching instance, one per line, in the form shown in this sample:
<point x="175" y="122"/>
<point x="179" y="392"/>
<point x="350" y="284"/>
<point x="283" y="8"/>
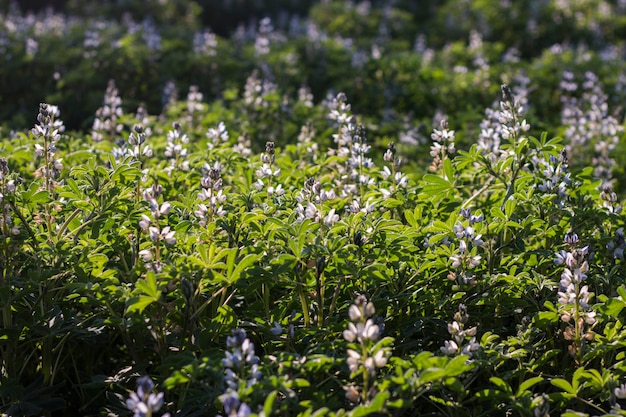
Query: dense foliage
<point x="351" y="213"/>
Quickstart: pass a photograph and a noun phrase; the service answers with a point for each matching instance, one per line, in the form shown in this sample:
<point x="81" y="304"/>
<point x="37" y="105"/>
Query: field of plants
<point x="313" y="208"/>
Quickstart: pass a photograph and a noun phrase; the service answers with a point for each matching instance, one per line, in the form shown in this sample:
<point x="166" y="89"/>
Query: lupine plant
<point x="285" y="241"/>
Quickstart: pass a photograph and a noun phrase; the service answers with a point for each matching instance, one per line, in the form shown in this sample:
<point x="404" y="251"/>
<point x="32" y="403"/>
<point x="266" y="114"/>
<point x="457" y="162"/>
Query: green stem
<point x="303" y="301"/>
<point x="65" y="224"/>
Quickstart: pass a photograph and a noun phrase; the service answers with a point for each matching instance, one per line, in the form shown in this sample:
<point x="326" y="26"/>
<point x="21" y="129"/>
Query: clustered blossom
<point x="466" y="259"/>
<point x="358" y="161"/>
<point x="241" y="364"/>
<point x="151" y="225"/>
<point x="267" y="171"/>
<point x="175" y="152"/>
<point x="310" y="202"/>
<point x="305" y="96"/>
<point x="233" y="406"/>
<point x="48" y="129"/>
<point x="243" y="146"/>
<point x="442" y="146"/>
<point x="105" y="125"/>
<point x="511" y="116"/>
<point x="205" y="43"/>
<point x="352" y="144"/>
<point x="211" y="195"/>
<point x="398" y="179"/>
<point x="617" y="246"/>
<point x="134" y="147"/>
<point x="195" y="105"/>
<point x="363" y="356"/>
<point x="556" y="178"/>
<point x="7" y="188"/>
<point x="590" y="128"/>
<point x="339" y="110"/>
<point x="216" y="135"/>
<point x="305" y="140"/>
<point x="241" y="370"/>
<point x="463" y="341"/>
<point x="573" y="296"/>
<point x="144" y="402"/>
<point x="609" y="199"/>
<point x="263" y="38"/>
<point x="494" y="128"/>
<point x="256" y="90"/>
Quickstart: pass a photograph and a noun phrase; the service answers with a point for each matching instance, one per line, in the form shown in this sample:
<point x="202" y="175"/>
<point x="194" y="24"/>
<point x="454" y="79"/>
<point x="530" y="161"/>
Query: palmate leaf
<point x="146" y="292"/>
<point x="436" y="187"/>
<point x="138" y="304"/>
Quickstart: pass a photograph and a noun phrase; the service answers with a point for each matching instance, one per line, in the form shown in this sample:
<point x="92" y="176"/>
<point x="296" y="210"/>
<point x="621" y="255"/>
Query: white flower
<point x="379" y="358"/>
<point x="620" y="392"/>
<point x="449" y="347"/>
<point x="278" y="191"/>
<point x="331" y="218"/>
<point x="354" y="312"/>
<point x="146" y="255"/>
<point x="353" y="360"/>
<point x="144" y="223"/>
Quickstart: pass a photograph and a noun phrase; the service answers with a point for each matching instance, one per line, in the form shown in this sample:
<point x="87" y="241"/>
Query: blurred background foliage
<point x="395" y="60"/>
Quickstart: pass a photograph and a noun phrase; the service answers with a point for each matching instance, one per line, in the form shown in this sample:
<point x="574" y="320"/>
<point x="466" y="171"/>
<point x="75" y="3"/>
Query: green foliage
<point x="495" y="275"/>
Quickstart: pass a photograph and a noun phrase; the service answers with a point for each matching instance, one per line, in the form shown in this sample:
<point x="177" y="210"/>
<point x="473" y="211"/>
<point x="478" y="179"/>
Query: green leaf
<point x="148" y="286"/>
<point x="138" y="304"/>
<point x="509" y="207"/>
<point x="564" y="385"/>
<point x="235" y="274"/>
<point x="528" y="384"/>
<point x="269" y="403"/>
<point x="458" y="366"/>
<point x="500" y="383"/>
<point x="613" y="307"/>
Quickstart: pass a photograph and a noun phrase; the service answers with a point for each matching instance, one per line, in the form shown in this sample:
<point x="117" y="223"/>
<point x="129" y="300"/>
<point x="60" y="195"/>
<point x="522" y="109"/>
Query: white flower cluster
<point x="590" y="128"/>
<point x="364" y="356"/>
<point x="609" y="199"/>
<point x="305" y="140"/>
<point x="493" y="131"/>
<point x="7" y="188"/>
<point x="617" y="245"/>
<point x="466" y="259"/>
<point x="175" y="150"/>
<point x="150" y="224"/>
<point x="256" y="90"/>
<point x="339" y="110"/>
<point x="463" y="340"/>
<point x="310" y="201"/>
<point x="48" y="128"/>
<point x="267" y="171"/>
<point x="194" y="104"/>
<point x="144" y="402"/>
<point x="397" y="178"/>
<point x="211" y="195"/>
<point x="217" y="134"/>
<point x="205" y="43"/>
<point x="573" y="296"/>
<point x="105" y="124"/>
<point x="556" y="178"/>
<point x="511" y="116"/>
<point x="442" y="146"/>
<point x="134" y="147"/>
<point x="241" y="370"/>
